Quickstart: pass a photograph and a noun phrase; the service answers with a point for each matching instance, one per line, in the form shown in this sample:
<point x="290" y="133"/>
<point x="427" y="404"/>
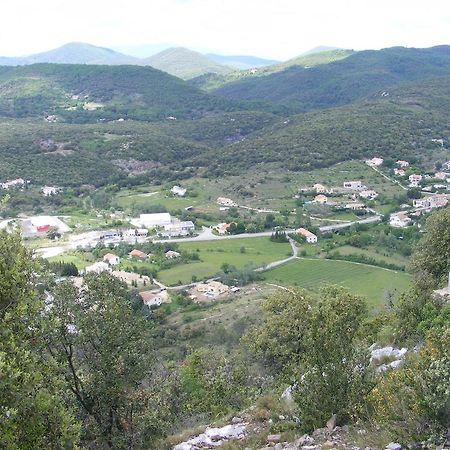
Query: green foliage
<point x="414" y="401"/>
<point x="212" y="384"/>
<point x="318" y="346"/>
<point x="104" y="349"/>
<point x="34" y="410"/>
<point x="431" y="260"/>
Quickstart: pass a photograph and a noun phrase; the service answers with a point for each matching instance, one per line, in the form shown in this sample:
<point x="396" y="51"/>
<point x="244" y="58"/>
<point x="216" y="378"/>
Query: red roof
<point x="42" y="228"/>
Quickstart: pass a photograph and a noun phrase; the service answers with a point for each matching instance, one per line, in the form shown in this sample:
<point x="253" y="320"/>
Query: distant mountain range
<point x="185" y="63"/>
<point x="179" y="61"/>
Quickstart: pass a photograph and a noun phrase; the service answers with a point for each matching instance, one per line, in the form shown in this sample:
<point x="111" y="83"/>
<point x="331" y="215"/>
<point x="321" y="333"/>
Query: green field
<point x="368" y="281"/>
<point x="258" y="251"/>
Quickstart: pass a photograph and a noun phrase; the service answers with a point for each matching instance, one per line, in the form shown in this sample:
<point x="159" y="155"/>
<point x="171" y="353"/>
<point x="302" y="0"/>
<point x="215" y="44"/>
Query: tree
<point x="316" y="347"/>
<point x="431" y="259"/>
<point x="104" y="348"/>
<point x="34" y="412"/>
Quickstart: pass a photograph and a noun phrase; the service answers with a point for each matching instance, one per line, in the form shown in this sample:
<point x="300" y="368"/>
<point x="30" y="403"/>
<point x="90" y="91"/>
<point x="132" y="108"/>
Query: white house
<point x="422" y="202"/>
<point x="374" y="162"/>
<point x="98" y="267"/>
<point x="399" y="172"/>
<point x="172" y="254"/>
<point x="311" y="238"/>
<point x="178" y="190"/>
<point x="414" y="180"/>
<point x="319" y="188"/>
<point x="111" y="259"/>
<point x="12" y="183"/>
<point x="370" y="194"/>
<point x="47" y="191"/>
<point x="355" y="185"/>
<point x="224" y="201"/>
<point x="401" y="163"/>
<point x="399" y="220"/>
<point x="150" y="298"/>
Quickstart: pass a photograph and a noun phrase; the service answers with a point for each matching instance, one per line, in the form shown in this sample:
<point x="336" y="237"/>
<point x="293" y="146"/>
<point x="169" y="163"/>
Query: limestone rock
<point x="393" y="446"/>
<point x="274" y="438"/>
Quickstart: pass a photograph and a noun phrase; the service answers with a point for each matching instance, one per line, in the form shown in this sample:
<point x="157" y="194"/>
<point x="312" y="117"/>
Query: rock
<point x="328" y="444"/>
<point x="213" y="437"/>
<point x="236" y="420"/>
<point x="331" y="422"/>
<point x="310" y="447"/>
<point x="393" y="446"/>
<point x="278" y="446"/>
<point x="273" y="438"/>
<point x="304" y="440"/>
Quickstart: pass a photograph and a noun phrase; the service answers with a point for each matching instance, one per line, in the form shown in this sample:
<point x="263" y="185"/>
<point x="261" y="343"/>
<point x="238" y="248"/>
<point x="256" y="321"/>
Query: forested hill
<point x="342" y="82"/>
<point x="88" y="93"/>
<point x="401" y="123"/>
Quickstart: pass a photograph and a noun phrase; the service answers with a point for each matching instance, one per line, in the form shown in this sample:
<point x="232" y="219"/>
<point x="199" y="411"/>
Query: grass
<point x="257" y="251"/>
<point x="368" y="281"/>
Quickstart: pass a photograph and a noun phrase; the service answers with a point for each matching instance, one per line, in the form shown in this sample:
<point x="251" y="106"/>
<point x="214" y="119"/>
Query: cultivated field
<point x="374" y="283"/>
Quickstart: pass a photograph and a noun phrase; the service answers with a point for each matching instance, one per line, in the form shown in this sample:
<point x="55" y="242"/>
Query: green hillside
<point x="212" y="81"/>
<point x="185" y="63"/>
<point x="399" y="124"/>
<point x="344" y="81"/>
<point x="82" y="93"/>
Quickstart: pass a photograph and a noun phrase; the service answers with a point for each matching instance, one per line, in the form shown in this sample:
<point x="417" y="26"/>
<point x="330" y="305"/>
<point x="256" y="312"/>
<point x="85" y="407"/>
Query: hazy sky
<point x="270" y="28"/>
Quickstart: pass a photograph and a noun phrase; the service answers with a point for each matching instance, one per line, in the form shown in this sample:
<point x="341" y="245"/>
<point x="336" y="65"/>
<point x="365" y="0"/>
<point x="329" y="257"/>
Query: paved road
<point x="340" y="226"/>
<point x="207" y="235"/>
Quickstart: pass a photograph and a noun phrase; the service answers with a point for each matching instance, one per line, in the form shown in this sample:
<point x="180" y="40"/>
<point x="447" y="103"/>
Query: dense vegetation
<point x="82" y="93"/>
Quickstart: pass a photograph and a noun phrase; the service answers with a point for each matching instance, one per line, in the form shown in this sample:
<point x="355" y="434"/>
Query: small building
<point x="111" y="259"/>
<point x="224" y="201"/>
<point x="150" y="298"/>
<point x="172" y="254"/>
<point x="132" y="278"/>
<point x="369" y="194"/>
<point x="415" y="179"/>
<point x="178" y="229"/>
<point x="422" y="203"/>
<point x="438" y="200"/>
<point x="399" y="220"/>
<point x="321" y="199"/>
<point x="98" y="267"/>
<point x="178" y="190"/>
<point x="319" y="188"/>
<point x="399" y="172"/>
<point x="355" y="206"/>
<point x="374" y="162"/>
<point x="355" y="185"/>
<point x="311" y="238"/>
<point x="442" y="175"/>
<point x="401" y="163"/>
<point x="48" y="191"/>
<point x="135" y="253"/>
<point x="213" y="288"/>
<point x="12" y="183"/>
<point x="222" y="228"/>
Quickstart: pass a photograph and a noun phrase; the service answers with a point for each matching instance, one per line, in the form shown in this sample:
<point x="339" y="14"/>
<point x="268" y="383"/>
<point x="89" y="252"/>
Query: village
<point x="326" y="213"/>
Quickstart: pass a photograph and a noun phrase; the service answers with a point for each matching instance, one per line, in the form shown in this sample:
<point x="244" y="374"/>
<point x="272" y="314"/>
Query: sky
<point x="278" y="29"/>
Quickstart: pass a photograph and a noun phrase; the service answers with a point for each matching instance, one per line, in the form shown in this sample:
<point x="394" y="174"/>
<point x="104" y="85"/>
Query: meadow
<point x="255" y="252"/>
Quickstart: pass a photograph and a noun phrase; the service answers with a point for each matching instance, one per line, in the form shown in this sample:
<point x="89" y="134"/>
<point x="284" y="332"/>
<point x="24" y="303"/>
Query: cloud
<point x="271" y="28"/>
